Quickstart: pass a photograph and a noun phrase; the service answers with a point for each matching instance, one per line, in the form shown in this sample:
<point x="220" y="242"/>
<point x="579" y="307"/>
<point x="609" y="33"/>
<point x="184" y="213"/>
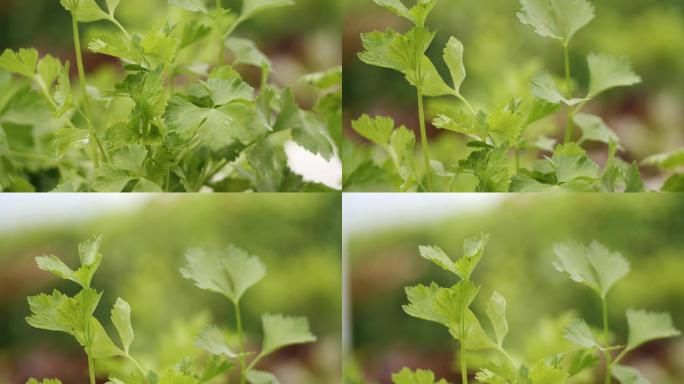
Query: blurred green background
<point x="297" y="236"/>
<point x="502" y="55"/>
<point x="646" y="228"/>
<point x="310" y="44"/>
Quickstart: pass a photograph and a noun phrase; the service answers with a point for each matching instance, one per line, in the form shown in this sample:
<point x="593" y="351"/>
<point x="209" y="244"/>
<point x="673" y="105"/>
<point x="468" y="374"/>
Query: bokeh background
<point x="144" y="240"/>
<point x="502" y="55"/>
<point x="381" y="237"/>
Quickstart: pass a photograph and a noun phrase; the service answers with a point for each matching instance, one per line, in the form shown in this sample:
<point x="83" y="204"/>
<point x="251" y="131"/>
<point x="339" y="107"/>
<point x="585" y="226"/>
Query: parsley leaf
<point x="281" y="331"/>
<point x="420" y="376"/>
<point x="645" y="326"/>
<point x="557" y="19"/>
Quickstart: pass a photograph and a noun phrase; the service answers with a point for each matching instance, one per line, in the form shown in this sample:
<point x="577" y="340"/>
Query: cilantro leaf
<point x="85" y="11"/>
<point x="557" y="19"/>
<point x="251" y="8"/>
<point x="594" y="266"/>
<point x="102" y="346"/>
<point x="645" y="326"/>
<point x="211" y="339"/>
<point x="595" y="129"/>
<point x="421" y="302"/>
<point x="90" y="256"/>
<point x="190" y="5"/>
<point x="376" y="129"/>
<point x="22" y="62"/>
<point x="453" y="57"/>
<point x="578" y="332"/>
<point x="281" y="331"/>
<point x="416" y="14"/>
<point x="44" y="381"/>
<point x="490" y="165"/>
<point x="420" y="376"/>
<point x="473" y="248"/>
<point x="63" y="95"/>
<point x="543" y="373"/>
<point x="246" y="52"/>
<point x="121" y="318"/>
<point x="608" y="72"/>
<point x="44" y="312"/>
<point x="48" y="69"/>
<point x="496" y="311"/>
<point x="229" y="272"/>
<point x="545" y="88"/>
<point x="111" y="6"/>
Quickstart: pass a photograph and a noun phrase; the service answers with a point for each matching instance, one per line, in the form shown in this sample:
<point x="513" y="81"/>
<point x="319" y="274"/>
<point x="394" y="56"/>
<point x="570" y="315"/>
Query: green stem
<point x="464" y="368"/>
<point x="94" y="142"/>
<point x="241" y="341"/>
<point x="137" y="365"/>
<point x="423" y="138"/>
<point x="568" y="87"/>
<point x="222" y="52"/>
<point x="465" y="101"/>
<point x="121" y="28"/>
<point x="91" y="369"/>
<point x="609" y="364"/>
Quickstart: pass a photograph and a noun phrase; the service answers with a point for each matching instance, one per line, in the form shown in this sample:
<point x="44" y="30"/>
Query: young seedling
<point x="501" y="130"/>
<point x="600" y="269"/>
<point x="181" y="120"/>
<point x="231" y="272"/>
<point x="74" y="315"/>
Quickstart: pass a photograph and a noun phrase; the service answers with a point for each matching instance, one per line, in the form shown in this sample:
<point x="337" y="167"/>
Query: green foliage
<point x="231" y="273"/>
<point x="503" y="141"/>
<point x="175" y="122"/>
<point x="593" y="265"/>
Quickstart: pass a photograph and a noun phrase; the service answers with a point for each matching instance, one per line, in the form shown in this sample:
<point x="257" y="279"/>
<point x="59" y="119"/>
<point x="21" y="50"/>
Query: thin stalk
<point x="465" y="101"/>
<point x="91" y="369"/>
<point x="464" y="368"/>
<point x="568" y="123"/>
<point x="241" y="341"/>
<point x="94" y="142"/>
<point x="222" y="52"/>
<point x="137" y="365"/>
<point x="121" y="28"/>
<point x="423" y="138"/>
<point x="609" y="363"/>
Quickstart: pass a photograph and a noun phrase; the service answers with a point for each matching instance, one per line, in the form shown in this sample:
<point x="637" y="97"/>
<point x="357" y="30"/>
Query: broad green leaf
<point x="251" y="8"/>
<point x="111" y="6"/>
<point x="473" y="248"/>
<point x="211" y="339"/>
<point x="114" y="45"/>
<point x="578" y="332"/>
<point x="173" y="377"/>
<point x="146" y="186"/>
<point x="545" y="88"/>
<point x="325" y="79"/>
<point x="130" y="158"/>
<point x="376" y="129"/>
<point x="453" y="57"/>
<point x="571" y="163"/>
<point x="48" y="69"/>
<point x="420" y="376"/>
<point x="421" y="302"/>
<point x="226" y="91"/>
<point x="90" y="258"/>
<point x="102" y="345"/>
<point x="595" y="129"/>
<point x="85" y="11"/>
<point x="109" y="178"/>
<point x="458" y="120"/>
<point x="504" y="125"/>
<point x="451" y="304"/>
<point x="628" y="375"/>
<point x="230" y="272"/>
<point x="22" y="62"/>
<point x="261" y="377"/>
<point x="674" y="183"/>
<point x="543" y="373"/>
<point x="281" y="331"/>
<point x="312" y="134"/>
<point x="159" y="48"/>
<point x="557" y="19"/>
<point x="670" y="160"/>
<point x="190" y="5"/>
<point x="645" y="326"/>
<point x="496" y="311"/>
<point x="608" y="72"/>
<point x="416" y="14"/>
<point x="211" y="126"/>
<point x="76" y="312"/>
<point x="376" y="51"/>
<point x="44" y="312"/>
<point x="147" y="90"/>
<point x="491" y="167"/>
<point x="246" y="52"/>
<point x="121" y="318"/>
<point x="594" y="266"/>
<point x="67" y="138"/>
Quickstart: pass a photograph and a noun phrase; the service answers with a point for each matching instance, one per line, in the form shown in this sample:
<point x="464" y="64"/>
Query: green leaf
<point x="48" y="69"/>
<point x="420" y="376"/>
<point x="22" y="62"/>
<point x="496" y="311"/>
<point x="147" y="90"/>
<point x="44" y="312"/>
<point x="173" y="377"/>
<point x="595" y="129"/>
<point x="669" y="160"/>
<point x="121" y="318"/>
<point x="628" y="375"/>
<point x="211" y="339"/>
<point x="416" y="14"/>
<point x="377" y="129"/>
<point x="504" y="125"/>
<point x="102" y="345"/>
<point x="645" y="326"/>
<point x="453" y="57"/>
<point x="229" y="272"/>
<point x="246" y="52"/>
<point x="312" y="134"/>
<point x="146" y="186"/>
<point x="190" y="5"/>
<point x="571" y="163"/>
<point x="402" y="146"/>
<point x="674" y="183"/>
<point x="110" y="179"/>
<point x="159" y="48"/>
<point x="76" y="312"/>
<point x="545" y="88"/>
<point x="281" y="331"/>
<point x="85" y="11"/>
<point x="114" y="45"/>
<point x="490" y="166"/>
<point x="451" y="304"/>
<point x="578" y="332"/>
<point x="594" y="266"/>
<point x="543" y="373"/>
<point x="376" y="51"/>
<point x="459" y="121"/>
<point x="557" y="19"/>
<point x="581" y="360"/>
<point x="261" y="377"/>
<point x="111" y="6"/>
<point x="63" y="96"/>
<point x="473" y="248"/>
<point x="130" y="158"/>
<point x="608" y="72"/>
<point x="251" y="8"/>
<point x="90" y="256"/>
<point x="44" y="381"/>
<point x="421" y="302"/>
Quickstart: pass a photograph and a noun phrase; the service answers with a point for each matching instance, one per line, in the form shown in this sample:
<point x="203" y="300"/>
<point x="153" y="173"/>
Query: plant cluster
<point x="594" y="266"/>
<point x="498" y="134"/>
<point x="176" y="122"/>
<point x="230" y="272"/>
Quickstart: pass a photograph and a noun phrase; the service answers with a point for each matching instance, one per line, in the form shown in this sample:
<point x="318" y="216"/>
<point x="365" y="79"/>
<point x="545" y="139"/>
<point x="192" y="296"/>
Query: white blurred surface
<point x="313" y="167"/>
